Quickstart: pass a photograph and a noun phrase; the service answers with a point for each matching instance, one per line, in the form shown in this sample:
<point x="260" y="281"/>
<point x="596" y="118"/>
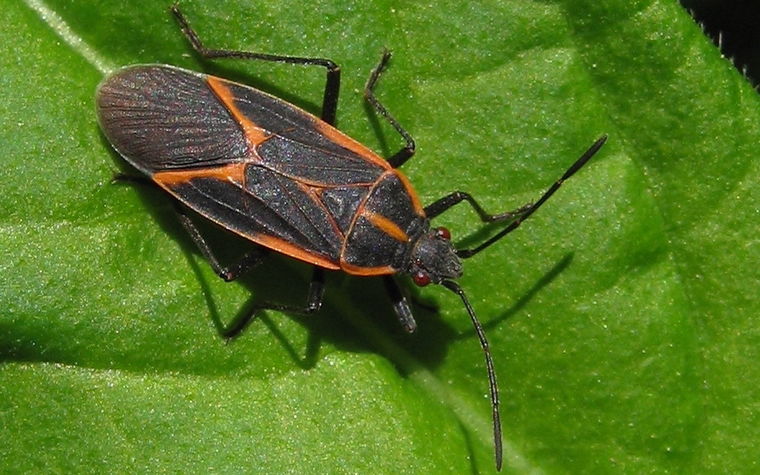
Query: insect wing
<point x="246" y="160"/>
<point x="295" y="143"/>
<point x="161" y="118"/>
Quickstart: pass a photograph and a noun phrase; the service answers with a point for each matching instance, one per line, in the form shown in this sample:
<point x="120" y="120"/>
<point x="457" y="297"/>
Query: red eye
<point x="420" y="278"/>
<point x="443" y="233"/>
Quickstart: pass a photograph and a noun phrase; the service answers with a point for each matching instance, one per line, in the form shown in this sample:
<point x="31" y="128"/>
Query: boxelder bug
<point x="290" y="182"/>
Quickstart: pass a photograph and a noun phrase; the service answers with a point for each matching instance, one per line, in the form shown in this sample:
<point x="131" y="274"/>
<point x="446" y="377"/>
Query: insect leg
<point x="408" y="151"/>
<point x="515" y="217"/>
<point x="400" y="305"/>
<point x="246" y="263"/>
<point x="332" y="85"/>
<point x="439" y="206"/>
<point x="316" y="290"/>
<point x="134" y="179"/>
<point x="229" y="273"/>
<point x="313" y="303"/>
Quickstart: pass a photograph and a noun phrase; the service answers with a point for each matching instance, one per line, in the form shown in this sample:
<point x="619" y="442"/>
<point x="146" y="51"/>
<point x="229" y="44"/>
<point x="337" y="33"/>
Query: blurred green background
<point x="622" y="317"/>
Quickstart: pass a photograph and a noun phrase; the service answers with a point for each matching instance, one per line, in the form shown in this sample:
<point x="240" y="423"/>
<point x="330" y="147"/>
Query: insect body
<point x="290" y="182"/>
<point x="266" y="170"/>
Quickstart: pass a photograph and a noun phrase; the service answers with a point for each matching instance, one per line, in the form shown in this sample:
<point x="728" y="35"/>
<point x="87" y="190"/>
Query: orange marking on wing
<point x="289" y="249"/>
<point x="315" y="193"/>
<point x="366" y="271"/>
<point x="234" y="172"/>
<point x="412" y="194"/>
<point x="255" y="134"/>
<point x="348" y="143"/>
<point x="386" y="225"/>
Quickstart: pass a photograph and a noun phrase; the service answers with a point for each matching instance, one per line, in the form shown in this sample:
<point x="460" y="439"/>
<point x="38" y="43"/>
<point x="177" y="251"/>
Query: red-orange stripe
<point x="386" y="225"/>
<point x="255" y="134"/>
<point x="348" y="143"/>
<point x="412" y="194"/>
<point x="292" y="250"/>
<point x="234" y="172"/>
<point x="366" y="271"/>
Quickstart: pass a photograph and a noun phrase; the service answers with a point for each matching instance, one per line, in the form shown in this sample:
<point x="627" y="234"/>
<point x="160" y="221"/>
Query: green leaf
<point x="621" y="316"/>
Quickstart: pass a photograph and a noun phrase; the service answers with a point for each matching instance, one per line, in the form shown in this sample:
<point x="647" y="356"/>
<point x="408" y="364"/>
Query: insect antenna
<point x="492" y="385"/>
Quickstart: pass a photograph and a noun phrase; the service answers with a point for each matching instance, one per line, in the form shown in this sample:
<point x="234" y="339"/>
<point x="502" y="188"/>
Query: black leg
<point x="313" y="303"/>
<point x="439" y="206"/>
<point x="400" y="305"/>
<point x="133" y="179"/>
<point x="515" y="217"/>
<point x="232" y="272"/>
<point x="229" y="273"/>
<point x="316" y="290"/>
<point x="405" y="153"/>
<point x="332" y="85"/>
